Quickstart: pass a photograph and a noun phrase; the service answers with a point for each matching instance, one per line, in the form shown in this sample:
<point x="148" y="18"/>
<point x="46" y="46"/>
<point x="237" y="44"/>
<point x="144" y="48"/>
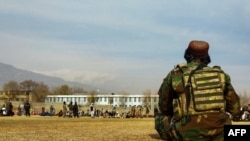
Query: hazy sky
<point x="123" y="45"/>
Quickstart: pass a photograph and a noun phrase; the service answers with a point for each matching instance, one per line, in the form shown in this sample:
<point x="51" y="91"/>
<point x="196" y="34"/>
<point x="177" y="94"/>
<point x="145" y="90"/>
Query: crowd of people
<point x="73" y="110"/>
<point x="7" y="109"/>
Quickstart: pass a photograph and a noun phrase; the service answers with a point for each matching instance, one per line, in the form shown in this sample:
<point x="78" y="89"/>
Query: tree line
<point x="39" y="90"/>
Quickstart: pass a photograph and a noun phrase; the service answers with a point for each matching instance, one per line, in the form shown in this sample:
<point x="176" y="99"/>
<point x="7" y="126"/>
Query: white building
<point x="116" y="100"/>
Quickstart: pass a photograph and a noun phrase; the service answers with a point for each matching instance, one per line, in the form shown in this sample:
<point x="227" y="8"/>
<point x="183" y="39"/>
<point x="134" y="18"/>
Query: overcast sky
<point x="123" y="45"/>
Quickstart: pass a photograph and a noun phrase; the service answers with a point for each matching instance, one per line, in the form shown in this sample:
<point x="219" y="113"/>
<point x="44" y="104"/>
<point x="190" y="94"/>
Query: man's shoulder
<point x="181" y="65"/>
<point x="178" y="68"/>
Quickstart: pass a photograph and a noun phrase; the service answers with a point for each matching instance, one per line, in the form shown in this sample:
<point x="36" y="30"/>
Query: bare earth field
<point x="39" y="128"/>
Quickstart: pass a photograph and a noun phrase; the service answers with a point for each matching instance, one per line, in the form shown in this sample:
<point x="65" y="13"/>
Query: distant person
<point x="60" y="113"/>
<point x="43" y="111"/>
<point x="64" y="109"/>
<point x="139" y="111"/>
<point x="75" y="110"/>
<point x="92" y="110"/>
<point x="133" y="111"/>
<point x="147" y="111"/>
<point x="70" y="109"/>
<point x="19" y="110"/>
<point x="52" y="110"/>
<point x="194" y="98"/>
<point x="27" y="108"/>
<point x="9" y="108"/>
<point x="3" y="110"/>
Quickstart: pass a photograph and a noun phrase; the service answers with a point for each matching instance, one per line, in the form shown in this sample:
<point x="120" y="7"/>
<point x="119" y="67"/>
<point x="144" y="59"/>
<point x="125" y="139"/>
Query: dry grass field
<point x="45" y="128"/>
<point x="40" y="128"/>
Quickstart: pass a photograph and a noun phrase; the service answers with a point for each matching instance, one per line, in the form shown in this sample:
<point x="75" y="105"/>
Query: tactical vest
<point x="203" y="92"/>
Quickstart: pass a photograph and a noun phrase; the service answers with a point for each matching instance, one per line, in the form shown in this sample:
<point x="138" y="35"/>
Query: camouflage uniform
<point x="200" y="126"/>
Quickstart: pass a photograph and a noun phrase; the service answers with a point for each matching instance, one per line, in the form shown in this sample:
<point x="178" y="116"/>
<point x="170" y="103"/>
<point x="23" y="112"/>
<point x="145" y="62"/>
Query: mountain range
<point x="11" y="73"/>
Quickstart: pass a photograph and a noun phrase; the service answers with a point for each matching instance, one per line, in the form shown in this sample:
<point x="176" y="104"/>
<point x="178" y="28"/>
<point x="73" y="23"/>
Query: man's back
<point x="201" y="107"/>
<point x="197" y="97"/>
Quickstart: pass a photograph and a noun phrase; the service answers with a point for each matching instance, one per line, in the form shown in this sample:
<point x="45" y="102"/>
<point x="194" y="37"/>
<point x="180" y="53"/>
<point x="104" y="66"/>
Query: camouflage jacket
<point x="167" y="93"/>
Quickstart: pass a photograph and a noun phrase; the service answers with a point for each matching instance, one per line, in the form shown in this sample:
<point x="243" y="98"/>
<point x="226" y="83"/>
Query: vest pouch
<point x="207" y="91"/>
